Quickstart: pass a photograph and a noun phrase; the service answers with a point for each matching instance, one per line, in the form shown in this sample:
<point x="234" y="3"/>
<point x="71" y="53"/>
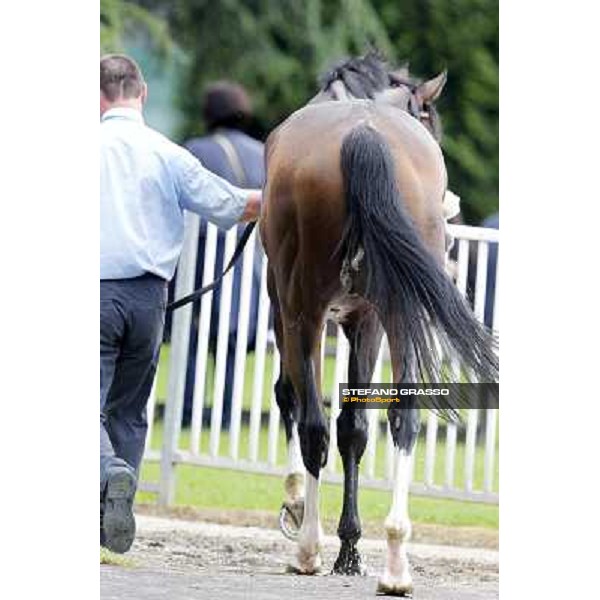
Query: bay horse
<point x="353" y="228"/>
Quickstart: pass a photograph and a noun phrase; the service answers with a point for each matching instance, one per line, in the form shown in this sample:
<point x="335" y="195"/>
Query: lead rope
<point x="198" y="293"/>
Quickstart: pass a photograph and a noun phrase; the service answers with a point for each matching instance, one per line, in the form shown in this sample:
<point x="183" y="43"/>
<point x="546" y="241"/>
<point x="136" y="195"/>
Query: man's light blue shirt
<point x="146" y="182"/>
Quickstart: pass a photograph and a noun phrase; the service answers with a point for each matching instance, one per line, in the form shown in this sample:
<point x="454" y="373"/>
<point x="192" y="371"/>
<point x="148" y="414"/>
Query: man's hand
<point x="253" y="204"/>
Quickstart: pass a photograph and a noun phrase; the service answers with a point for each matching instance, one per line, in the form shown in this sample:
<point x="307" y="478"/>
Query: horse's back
<point x="315" y="127"/>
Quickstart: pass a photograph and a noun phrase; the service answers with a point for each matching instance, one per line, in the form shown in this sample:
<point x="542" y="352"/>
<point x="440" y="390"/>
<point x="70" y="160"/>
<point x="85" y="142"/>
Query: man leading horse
<point x="146" y="184"/>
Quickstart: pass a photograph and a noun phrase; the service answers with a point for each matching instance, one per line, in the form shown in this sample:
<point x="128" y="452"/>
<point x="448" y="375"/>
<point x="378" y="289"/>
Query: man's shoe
<point x="118" y="523"/>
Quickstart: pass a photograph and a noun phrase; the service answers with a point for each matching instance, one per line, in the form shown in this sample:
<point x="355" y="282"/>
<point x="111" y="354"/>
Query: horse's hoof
<point x="309" y="567"/>
<point x="359" y="570"/>
<point x="349" y="561"/>
<point x="395" y="586"/>
<point x="290" y="518"/>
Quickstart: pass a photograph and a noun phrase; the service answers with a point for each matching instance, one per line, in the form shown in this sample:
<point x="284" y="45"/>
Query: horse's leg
<point x="292" y="510"/>
<point x="404" y="425"/>
<point x="302" y="359"/>
<point x="363" y="330"/>
<point x="286" y="401"/>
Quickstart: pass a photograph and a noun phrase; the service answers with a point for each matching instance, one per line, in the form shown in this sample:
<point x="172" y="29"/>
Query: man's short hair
<point x="225" y="104"/>
<point x="120" y="77"/>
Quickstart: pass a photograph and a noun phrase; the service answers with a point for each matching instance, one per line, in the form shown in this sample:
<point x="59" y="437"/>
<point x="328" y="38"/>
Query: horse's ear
<point x="429" y="91"/>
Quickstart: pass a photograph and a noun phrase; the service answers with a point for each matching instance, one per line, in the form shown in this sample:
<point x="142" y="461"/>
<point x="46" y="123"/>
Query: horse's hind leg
<point x="286" y="401"/>
<point x="363" y="330"/>
<point x="404" y="425"/>
<point x="292" y="510"/>
<point x="302" y="362"/>
<point x="288" y="408"/>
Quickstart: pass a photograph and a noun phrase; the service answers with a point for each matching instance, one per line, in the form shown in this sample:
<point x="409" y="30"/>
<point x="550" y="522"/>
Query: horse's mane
<point x="362" y="76"/>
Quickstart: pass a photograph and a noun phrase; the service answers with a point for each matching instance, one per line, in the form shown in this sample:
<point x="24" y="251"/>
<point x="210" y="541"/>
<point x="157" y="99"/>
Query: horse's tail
<point x="402" y="279"/>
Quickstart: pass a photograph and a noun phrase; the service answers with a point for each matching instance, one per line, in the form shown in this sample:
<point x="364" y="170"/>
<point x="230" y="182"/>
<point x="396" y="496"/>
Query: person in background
<point x="146" y="183"/>
<point x="238" y="158"/>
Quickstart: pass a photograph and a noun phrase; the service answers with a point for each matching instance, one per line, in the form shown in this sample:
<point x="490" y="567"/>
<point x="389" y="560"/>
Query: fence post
<point x="241" y="349"/>
<point x="342" y="353"/>
<point x="259" y="364"/>
<point x="208" y="276"/>
<point x="430" y="448"/>
<point x="180" y="336"/>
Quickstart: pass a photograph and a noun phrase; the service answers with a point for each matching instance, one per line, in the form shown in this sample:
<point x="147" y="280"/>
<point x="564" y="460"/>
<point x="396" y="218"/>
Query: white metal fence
<point x="450" y="461"/>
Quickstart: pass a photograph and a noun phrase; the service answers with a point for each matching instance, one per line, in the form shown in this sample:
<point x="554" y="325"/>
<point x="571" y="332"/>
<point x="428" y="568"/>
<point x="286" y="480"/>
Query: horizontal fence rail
<point x="451" y="461"/>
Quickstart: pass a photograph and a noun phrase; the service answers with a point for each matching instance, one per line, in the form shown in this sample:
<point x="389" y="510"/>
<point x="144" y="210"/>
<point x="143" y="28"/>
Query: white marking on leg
<point x="294" y="481"/>
<point x="310" y="538"/>
<point x="295" y="464"/>
<point x="396" y="578"/>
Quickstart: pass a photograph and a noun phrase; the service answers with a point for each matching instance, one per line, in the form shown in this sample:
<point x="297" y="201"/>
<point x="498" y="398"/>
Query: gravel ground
<point x="179" y="560"/>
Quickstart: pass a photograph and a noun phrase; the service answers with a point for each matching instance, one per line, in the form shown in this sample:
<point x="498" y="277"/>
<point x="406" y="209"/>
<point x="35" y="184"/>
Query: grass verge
<point x="110" y="558"/>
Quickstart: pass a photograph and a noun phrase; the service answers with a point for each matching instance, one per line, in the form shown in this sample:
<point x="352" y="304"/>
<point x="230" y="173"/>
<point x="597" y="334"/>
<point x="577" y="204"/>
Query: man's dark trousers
<point x="131" y="325"/>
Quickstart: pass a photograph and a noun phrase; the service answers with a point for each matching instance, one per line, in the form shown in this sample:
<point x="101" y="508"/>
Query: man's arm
<point x="211" y="196"/>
